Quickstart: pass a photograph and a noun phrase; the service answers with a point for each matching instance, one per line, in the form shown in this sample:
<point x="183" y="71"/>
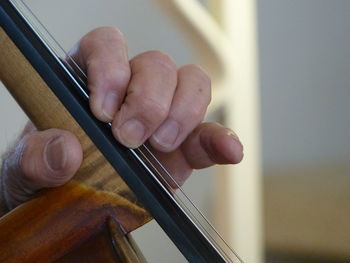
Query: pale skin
<point x="148" y="99"/>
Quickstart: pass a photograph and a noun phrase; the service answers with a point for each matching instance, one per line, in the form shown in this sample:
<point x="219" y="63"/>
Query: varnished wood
<point x="98" y="248"/>
<point x="78" y="208"/>
<point x="110" y="245"/>
<point x="49" y="226"/>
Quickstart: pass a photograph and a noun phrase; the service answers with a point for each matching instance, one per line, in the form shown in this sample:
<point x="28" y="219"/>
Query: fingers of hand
<point x="189" y="105"/>
<point x="103" y="54"/>
<point x="148" y="98"/>
<point x="208" y="144"/>
<point x="41" y="159"/>
<point x="211" y="143"/>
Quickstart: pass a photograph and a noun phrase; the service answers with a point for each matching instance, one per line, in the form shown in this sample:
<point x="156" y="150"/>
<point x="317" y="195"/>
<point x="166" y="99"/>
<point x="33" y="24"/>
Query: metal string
<point x="179" y="188"/>
<point x="143" y="151"/>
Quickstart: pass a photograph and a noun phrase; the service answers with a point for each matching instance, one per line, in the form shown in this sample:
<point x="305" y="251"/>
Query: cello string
<point x="197" y="222"/>
<point x="147" y="153"/>
<point x="179" y="188"/>
<point x="192" y="203"/>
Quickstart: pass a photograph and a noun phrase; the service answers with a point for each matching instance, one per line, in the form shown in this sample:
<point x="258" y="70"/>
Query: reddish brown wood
<point x="47" y="227"/>
<point x="96" y="249"/>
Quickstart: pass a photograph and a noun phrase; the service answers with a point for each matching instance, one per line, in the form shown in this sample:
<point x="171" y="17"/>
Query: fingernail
<point x="235" y="154"/>
<point x="55" y="154"/>
<point x="131" y="133"/>
<point x="167" y="133"/>
<point x="232" y="134"/>
<point x="109" y="106"/>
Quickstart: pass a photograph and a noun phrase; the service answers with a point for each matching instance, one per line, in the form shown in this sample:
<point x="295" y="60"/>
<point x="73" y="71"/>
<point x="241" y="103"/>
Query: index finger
<point x="102" y="54"/>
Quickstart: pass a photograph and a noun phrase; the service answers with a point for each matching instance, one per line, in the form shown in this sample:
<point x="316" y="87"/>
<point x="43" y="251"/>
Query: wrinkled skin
<point x="147" y="98"/>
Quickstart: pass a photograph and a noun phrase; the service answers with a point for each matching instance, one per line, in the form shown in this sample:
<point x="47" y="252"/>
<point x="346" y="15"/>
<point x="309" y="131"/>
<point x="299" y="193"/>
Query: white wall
<point x="305" y="81"/>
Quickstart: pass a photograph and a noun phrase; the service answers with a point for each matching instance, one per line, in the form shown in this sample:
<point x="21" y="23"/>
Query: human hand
<point x="146" y="98"/>
<point x="39" y="159"/>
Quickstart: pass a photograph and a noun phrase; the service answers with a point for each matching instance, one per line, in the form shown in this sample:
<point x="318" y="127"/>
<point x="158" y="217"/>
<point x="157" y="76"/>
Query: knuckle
<point x="158" y="57"/>
<point x="161" y="58"/>
<point x="117" y="78"/>
<point x="198" y="73"/>
<point x="200" y="81"/>
<point x="112" y="76"/>
<point x="122" y="76"/>
<point x="97" y="42"/>
<point x="104" y="33"/>
<point x="112" y="32"/>
<point x="152" y="110"/>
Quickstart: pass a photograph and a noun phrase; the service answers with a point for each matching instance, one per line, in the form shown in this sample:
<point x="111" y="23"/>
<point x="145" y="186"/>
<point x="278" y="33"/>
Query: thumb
<point x="41" y="159"/>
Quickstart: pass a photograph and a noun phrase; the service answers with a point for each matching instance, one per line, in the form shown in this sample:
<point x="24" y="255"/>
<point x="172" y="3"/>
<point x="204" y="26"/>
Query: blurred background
<point x="281" y="79"/>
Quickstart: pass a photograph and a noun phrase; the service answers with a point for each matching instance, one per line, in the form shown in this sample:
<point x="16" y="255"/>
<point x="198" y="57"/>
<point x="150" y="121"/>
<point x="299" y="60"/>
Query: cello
<point x="116" y="189"/>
